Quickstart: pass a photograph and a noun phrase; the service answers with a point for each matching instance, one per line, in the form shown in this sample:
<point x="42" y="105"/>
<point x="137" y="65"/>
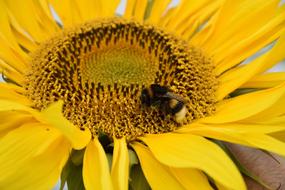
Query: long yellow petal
<point x="274" y="111"/>
<point x="245" y="106"/>
<point x="140" y="9"/>
<point x="232" y="80"/>
<point x="279" y="135"/>
<point x="89" y="9"/>
<point x="109" y="7"/>
<point x="247" y="46"/>
<point x="254" y="139"/>
<point x="184" y="11"/>
<point x="191" y="178"/>
<point x="129" y="8"/>
<point x="7" y="34"/>
<point x="67" y="10"/>
<point x="24" y="40"/>
<point x="22" y="144"/>
<point x="189" y="15"/>
<point x="8" y="93"/>
<point x="11" y="120"/>
<point x="158" y="8"/>
<point x="191" y="151"/>
<point x="11" y="74"/>
<point x="267" y="80"/>
<point x="280" y="120"/>
<point x="39" y="172"/>
<point x="120" y="165"/>
<point x="12" y="56"/>
<point x="136" y="9"/>
<point x="197" y="20"/>
<point x="157" y="174"/>
<point x="53" y="116"/>
<point x="7" y="105"/>
<point x="8" y="45"/>
<point x="236" y="14"/>
<point x="32" y="18"/>
<point x="78" y="138"/>
<point x="262" y="128"/>
<point x="96" y="173"/>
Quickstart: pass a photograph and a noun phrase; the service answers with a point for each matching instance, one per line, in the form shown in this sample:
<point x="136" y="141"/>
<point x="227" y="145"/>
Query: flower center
<point x="99" y="69"/>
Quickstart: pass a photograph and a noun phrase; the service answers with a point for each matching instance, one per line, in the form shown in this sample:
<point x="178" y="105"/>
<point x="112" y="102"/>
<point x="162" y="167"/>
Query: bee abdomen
<point x="180" y="116"/>
<point x="175" y="106"/>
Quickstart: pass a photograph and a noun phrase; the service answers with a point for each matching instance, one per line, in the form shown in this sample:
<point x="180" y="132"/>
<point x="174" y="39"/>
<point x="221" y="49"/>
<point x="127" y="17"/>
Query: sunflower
<point x="71" y="102"/>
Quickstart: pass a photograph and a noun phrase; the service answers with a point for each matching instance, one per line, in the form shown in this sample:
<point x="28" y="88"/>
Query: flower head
<point x="72" y="101"/>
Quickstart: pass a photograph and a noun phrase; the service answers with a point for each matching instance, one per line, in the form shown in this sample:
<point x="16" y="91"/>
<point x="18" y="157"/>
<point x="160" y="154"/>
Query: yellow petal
<point x="67" y="10"/>
<point x="136" y="9"/>
<point x="235" y="127"/>
<point x="21" y="35"/>
<point x="8" y="92"/>
<point x="246" y="105"/>
<point x="238" y="14"/>
<point x="12" y="119"/>
<point x="190" y="14"/>
<point x="280" y="120"/>
<point x="280" y="135"/>
<point x="129" y="8"/>
<point x="120" y="165"/>
<point x="274" y="111"/>
<point x="139" y="9"/>
<point x="7" y="105"/>
<point x="266" y="142"/>
<point x="89" y="9"/>
<point x="184" y="11"/>
<point x="41" y="171"/>
<point x="247" y="46"/>
<point x="164" y="21"/>
<point x="157" y="174"/>
<point x="267" y="80"/>
<point x="96" y="173"/>
<point x="53" y="116"/>
<point x="254" y="139"/>
<point x="31" y="16"/>
<point x="10" y="73"/>
<point x="8" y="41"/>
<point x="191" y="178"/>
<point x="191" y="151"/>
<point x="158" y="8"/>
<point x="23" y="143"/>
<point x="232" y="80"/>
<point x="109" y="7"/>
<point x="189" y="28"/>
<point x="12" y="56"/>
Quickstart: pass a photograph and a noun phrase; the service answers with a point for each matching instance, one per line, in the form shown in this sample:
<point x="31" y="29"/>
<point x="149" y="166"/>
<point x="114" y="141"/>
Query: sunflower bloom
<point x="71" y="102"/>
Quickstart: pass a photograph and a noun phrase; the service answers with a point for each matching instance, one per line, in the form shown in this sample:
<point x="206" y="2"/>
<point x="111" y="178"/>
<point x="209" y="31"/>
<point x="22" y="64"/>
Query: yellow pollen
<point x="100" y="68"/>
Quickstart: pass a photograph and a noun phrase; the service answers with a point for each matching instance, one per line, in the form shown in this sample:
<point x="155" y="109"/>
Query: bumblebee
<point x="167" y="101"/>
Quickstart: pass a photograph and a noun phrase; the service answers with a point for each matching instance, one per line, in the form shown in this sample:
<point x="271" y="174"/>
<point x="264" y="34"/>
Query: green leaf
<point x="133" y="158"/>
<point x="72" y="175"/>
<point x="64" y="174"/>
<point x="77" y="157"/>
<point x="137" y="179"/>
<point x="75" y="179"/>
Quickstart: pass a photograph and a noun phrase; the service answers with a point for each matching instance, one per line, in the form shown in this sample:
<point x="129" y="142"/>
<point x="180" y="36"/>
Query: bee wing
<point x="174" y="96"/>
